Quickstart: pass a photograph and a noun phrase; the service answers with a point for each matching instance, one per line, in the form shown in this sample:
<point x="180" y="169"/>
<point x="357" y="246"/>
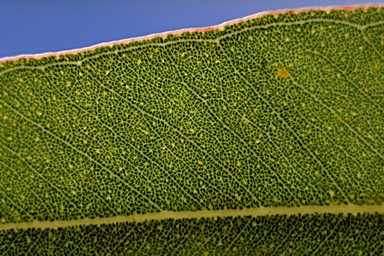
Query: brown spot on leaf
<point x="282" y="73"/>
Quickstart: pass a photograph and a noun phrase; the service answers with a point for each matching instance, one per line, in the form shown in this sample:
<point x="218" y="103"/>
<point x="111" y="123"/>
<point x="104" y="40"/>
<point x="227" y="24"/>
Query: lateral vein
<point x="253" y="212"/>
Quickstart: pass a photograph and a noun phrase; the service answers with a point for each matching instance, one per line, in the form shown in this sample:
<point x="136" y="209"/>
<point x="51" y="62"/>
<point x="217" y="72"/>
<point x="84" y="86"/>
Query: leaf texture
<point x="282" y="110"/>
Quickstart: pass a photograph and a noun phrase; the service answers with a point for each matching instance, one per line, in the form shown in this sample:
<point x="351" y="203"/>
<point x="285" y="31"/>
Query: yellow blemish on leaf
<point x="282" y="73"/>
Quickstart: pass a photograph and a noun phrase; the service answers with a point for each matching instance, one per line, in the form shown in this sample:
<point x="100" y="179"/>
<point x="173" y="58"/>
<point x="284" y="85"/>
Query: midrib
<point x="262" y="211"/>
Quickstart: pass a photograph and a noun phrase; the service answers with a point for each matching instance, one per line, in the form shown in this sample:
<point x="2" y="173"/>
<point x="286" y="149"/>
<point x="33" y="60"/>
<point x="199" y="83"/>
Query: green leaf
<point x="261" y="136"/>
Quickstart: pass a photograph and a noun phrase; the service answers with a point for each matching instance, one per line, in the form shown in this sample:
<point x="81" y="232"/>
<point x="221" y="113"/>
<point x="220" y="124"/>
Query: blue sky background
<point x="44" y="26"/>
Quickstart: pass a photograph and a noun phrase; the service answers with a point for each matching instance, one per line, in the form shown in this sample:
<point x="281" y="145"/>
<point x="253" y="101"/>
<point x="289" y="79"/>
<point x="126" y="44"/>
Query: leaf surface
<point x="273" y="112"/>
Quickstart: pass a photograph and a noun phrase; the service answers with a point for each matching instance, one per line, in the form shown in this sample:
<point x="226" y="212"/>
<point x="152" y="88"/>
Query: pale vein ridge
<point x="163" y="215"/>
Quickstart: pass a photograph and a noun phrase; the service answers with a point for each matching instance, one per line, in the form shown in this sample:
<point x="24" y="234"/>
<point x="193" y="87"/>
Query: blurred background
<point x="28" y="27"/>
